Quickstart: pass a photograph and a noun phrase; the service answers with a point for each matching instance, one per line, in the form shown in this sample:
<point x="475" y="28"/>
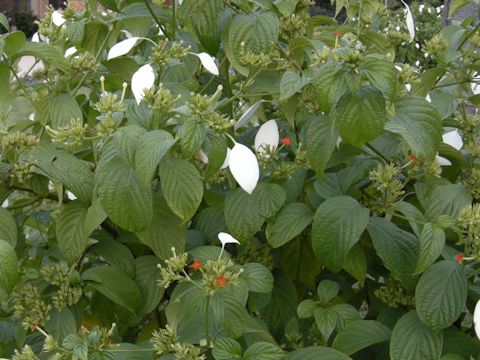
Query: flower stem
<point x="207" y="315"/>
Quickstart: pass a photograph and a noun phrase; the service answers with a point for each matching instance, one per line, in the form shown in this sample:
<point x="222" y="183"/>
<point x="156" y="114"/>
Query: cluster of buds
<point x="23" y="170"/>
<point x="351" y="58"/>
<point x="201" y="107"/>
<point x="83" y="62"/>
<point x="25" y="354"/>
<point x="28" y="305"/>
<point x="71" y="136"/>
<point x="17" y="142"/>
<point x="67" y="282"/>
<point x="397" y="36"/>
<point x="162" y="101"/>
<point x="168" y="50"/>
<point x="394" y="295"/>
<point x="293" y="26"/>
<point x="473" y="182"/>
<point x="469" y="221"/>
<point x="388" y="187"/>
<point x="174" y="270"/>
<point x="436" y="46"/>
<point x="166" y="341"/>
<point x="407" y="75"/>
<point x="253" y="60"/>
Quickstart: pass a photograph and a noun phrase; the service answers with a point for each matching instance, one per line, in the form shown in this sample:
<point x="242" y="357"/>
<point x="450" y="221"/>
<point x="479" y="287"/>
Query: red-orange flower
<point x="196" y="265"/>
<point x="221" y="281"/>
<point x="337" y="33"/>
<point x="287" y="141"/>
<point x="413" y="158"/>
<point x="459" y="258"/>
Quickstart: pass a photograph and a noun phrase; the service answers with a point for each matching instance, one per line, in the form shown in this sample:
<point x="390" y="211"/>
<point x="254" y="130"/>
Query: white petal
<point x="31" y="117"/>
<point x="5" y="203"/>
<point x="428" y="98"/>
<point x="244" y="167"/>
<point x="143" y="79"/>
<point x="442" y="161"/>
<point x="410" y="23"/>
<point x="36" y="37"/>
<point x="408" y="87"/>
<point x="226" y="238"/>
<point x="202" y="156"/>
<point x="226" y="162"/>
<point x="122" y="48"/>
<point x="70" y="196"/>
<point x="339" y="141"/>
<point x="476" y="85"/>
<point x="57" y="18"/>
<point x="208" y="63"/>
<point x="70" y="51"/>
<point x="453" y="139"/>
<point x="180" y="2"/>
<point x="476" y="319"/>
<point x="248" y="115"/>
<point x="267" y="137"/>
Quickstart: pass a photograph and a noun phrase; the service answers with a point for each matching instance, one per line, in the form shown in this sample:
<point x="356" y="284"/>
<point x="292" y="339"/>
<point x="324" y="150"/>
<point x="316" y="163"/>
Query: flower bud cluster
<point x="71" y="136"/>
<point x="68" y="291"/>
<point x="436" y="46"/>
<point x="23" y="170"/>
<point x="168" y="50"/>
<point x="253" y="60"/>
<point x="83" y="62"/>
<point x="28" y="305"/>
<point x="293" y="26"/>
<point x="472" y="182"/>
<point x="394" y="295"/>
<point x="469" y="221"/>
<point x="166" y="341"/>
<point x="386" y="186"/>
<point x="25" y="354"/>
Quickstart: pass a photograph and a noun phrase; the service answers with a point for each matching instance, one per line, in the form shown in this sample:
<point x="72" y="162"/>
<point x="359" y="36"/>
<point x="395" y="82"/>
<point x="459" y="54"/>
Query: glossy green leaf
<point x="289" y="223"/>
<point x="71" y="234"/>
<point x="8" y="227"/>
<point x="9" y="271"/>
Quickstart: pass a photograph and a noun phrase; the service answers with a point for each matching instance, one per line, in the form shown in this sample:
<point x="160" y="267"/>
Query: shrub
<point x="240" y="180"/>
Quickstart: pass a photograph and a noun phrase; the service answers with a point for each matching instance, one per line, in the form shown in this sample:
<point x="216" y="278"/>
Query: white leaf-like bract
<point x="202" y="156"/>
<point x="476" y="84"/>
<point x="226" y="238"/>
<point x="5" y="203"/>
<point x="71" y="196"/>
<point x="143" y="79"/>
<point x="267" y="137"/>
<point x="57" y="18"/>
<point x="428" y="98"/>
<point x="247" y="115"/>
<point x="36" y="37"/>
<point x="442" y="161"/>
<point x="476" y="319"/>
<point x="208" y="63"/>
<point x="227" y="159"/>
<point x="244" y="167"/>
<point x="454" y="139"/>
<point x="122" y="48"/>
<point x="410" y="23"/>
<point x="70" y="51"/>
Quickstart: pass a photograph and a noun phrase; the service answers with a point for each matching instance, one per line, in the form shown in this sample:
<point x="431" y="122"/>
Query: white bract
<point x="70" y="51"/>
<point x="122" y="48"/>
<point x="142" y="80"/>
<point x="208" y="62"/>
<point x="244" y="167"/>
<point x="453" y="139"/>
<point x="226" y="162"/>
<point x="267" y="137"/>
<point x="476" y="84"/>
<point x="71" y="196"/>
<point x="410" y="23"/>
<point x="57" y="18"/>
<point x="476" y="319"/>
<point x="247" y="115"/>
<point x="225" y="239"/>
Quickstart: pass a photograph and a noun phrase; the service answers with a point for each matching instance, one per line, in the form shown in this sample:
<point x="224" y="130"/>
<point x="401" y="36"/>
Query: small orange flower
<point x="459" y="258"/>
<point x="413" y="158"/>
<point x="34" y="326"/>
<point x="221" y="281"/>
<point x="196" y="265"/>
<point x="287" y="141"/>
<point x="337" y="33"/>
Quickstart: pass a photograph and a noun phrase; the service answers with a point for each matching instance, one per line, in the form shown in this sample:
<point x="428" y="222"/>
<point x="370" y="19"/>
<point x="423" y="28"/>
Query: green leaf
<point x="115" y="285"/>
<point x="8" y="227"/>
<point x="460" y="343"/>
<point x="419" y="124"/>
<point x="346" y="314"/>
<point x="242" y="215"/>
<point x="63" y="110"/>
<point x="258" y="33"/>
<point x="61" y="324"/>
<point x="320" y="139"/>
<point x="166" y="230"/>
<point x="456" y="5"/>
<point x="72" y="237"/>
<point x="207" y="23"/>
<point x="356" y="263"/>
<point x="291" y="83"/>
<point x="182" y="187"/>
<point x="116" y="255"/>
<point x="285" y="7"/>
<point x="305" y="308"/>
<point x="447" y="200"/>
<point x="147" y="276"/>
<point x="380" y="72"/>
<point x="94" y="37"/>
<point x="316" y="353"/>
<point x="432" y="242"/>
<point x="76" y="31"/>
<point x="269" y="198"/>
<point x="331" y="82"/>
<point x="226" y="349"/>
<point x="151" y="149"/>
<point x="441" y="294"/>
<point x="360" y="115"/>
<point x="59" y="166"/>
<point x="327" y="290"/>
<point x="192" y="137"/>
<point x="4" y="22"/>
<point x="47" y="53"/>
<point x="9" y="272"/>
<point x="413" y="340"/>
<point x="126" y="201"/>
<point x="229" y="313"/>
<point x="360" y="334"/>
<point x="263" y="351"/>
<point x="289" y="223"/>
<point x="126" y="140"/>
<point x="397" y="248"/>
<point x="215" y="147"/>
<point x="95" y="216"/>
<point x="337" y="225"/>
<point x="326" y="320"/>
<point x="12" y="42"/>
<point x="259" y="278"/>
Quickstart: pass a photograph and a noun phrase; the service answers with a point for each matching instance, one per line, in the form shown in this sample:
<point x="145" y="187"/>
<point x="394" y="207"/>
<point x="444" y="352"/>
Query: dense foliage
<point x="240" y="180"/>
